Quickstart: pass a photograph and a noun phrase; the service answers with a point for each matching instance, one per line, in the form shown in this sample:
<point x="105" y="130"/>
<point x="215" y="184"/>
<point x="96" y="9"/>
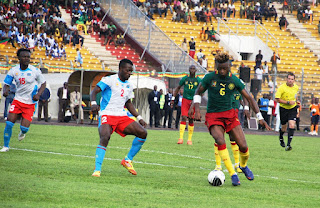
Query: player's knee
<point x="142" y="133"/>
<point x="9" y="124"/>
<point x="24" y="129"/>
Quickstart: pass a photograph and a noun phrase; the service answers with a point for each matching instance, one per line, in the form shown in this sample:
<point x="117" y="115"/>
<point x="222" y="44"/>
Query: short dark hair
<point x="291" y="74"/>
<point x="125" y="61"/>
<point x="22" y="50"/>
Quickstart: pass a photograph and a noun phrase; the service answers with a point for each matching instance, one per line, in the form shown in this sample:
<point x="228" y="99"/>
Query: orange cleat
<point x="180" y="141"/>
<point x="128" y="165"/>
<point x="189" y="142"/>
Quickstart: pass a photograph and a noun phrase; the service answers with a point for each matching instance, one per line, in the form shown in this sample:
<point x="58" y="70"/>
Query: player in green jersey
<point x="190" y="83"/>
<point x="221" y="116"/>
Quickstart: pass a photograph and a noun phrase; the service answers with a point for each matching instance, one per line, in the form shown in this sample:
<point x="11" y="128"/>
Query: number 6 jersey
<point x="115" y="94"/>
<point x="27" y="82"/>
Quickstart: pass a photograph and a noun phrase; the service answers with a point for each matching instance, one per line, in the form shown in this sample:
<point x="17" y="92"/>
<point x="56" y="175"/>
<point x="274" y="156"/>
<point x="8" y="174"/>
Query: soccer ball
<point x="313" y="110"/>
<point x="216" y="178"/>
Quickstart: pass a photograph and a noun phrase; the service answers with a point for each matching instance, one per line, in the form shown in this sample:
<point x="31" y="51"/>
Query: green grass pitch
<point x="52" y="167"/>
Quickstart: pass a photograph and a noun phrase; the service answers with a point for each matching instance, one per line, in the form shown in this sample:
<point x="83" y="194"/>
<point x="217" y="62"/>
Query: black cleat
<point x="282" y="144"/>
<point x="288" y="148"/>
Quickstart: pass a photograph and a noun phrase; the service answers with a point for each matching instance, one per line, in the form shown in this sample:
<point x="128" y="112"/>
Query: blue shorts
<point x="315" y="119"/>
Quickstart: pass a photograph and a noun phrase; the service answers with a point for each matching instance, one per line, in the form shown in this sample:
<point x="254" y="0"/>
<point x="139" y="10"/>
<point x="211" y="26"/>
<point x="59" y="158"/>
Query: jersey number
<point x="104" y="119"/>
<point x="11" y="108"/>
<point x="222" y="91"/>
<point x="22" y="80"/>
<point x="122" y="92"/>
<point x="190" y="86"/>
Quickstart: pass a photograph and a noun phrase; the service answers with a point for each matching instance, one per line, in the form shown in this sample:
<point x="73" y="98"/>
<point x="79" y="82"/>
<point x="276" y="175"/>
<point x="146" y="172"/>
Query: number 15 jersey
<point x="115" y="94"/>
<point x="221" y="91"/>
<point x="26" y="81"/>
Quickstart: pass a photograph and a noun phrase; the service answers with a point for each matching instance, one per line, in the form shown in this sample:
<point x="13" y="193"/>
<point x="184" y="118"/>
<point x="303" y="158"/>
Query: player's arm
<point x="244" y="102"/>
<point x="291" y="102"/>
<point x="93" y="96"/>
<point x="133" y="111"/>
<point x="36" y="97"/>
<point x="6" y="90"/>
<point x="255" y="108"/>
<point x="7" y="82"/>
<point x="196" y="103"/>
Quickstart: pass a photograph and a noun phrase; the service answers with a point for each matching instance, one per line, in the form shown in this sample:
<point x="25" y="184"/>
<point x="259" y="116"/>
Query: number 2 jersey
<point x="190" y="86"/>
<point x="115" y="93"/>
<point x="221" y="91"/>
<point x="27" y="82"/>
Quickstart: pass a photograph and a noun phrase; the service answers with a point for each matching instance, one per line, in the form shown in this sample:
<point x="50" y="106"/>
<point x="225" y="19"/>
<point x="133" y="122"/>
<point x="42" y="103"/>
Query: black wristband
<point x="288" y="102"/>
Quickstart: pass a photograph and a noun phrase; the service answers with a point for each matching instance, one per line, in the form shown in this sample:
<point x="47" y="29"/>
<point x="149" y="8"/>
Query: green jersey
<point x="221" y="91"/>
<point x="190" y="86"/>
<point x="236" y="100"/>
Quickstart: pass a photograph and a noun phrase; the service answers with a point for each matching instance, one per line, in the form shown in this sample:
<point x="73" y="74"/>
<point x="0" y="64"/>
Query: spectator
<point x="273" y="13"/>
<point x="161" y="104"/>
<point x="192" y="47"/>
<point x="263" y="104"/>
<point x="265" y="73"/>
<point x="43" y="103"/>
<point x="79" y="58"/>
<point x="64" y="97"/>
<point x="153" y="100"/>
<point x="168" y="109"/>
<point x="319" y="27"/>
<point x="120" y="40"/>
<point x="75" y="102"/>
<point x="259" y="58"/>
<point x="259" y="73"/>
<point x="184" y="47"/>
<point x="231" y="10"/>
<point x="283" y="22"/>
<point x="213" y="35"/>
<point x="177" y="106"/>
<point x="273" y="60"/>
<point x="199" y="56"/>
<point x="77" y="39"/>
<point x="62" y="52"/>
<point x="9" y="99"/>
<point x="204" y="62"/>
<point x="242" y="10"/>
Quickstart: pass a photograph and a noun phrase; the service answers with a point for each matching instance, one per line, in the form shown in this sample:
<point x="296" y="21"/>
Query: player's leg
<point x="316" y="126"/>
<point x="217" y="157"/>
<point x="184" y="112"/>
<point x="12" y="117"/>
<point x="190" y="131"/>
<point x="217" y="133"/>
<point x="235" y="151"/>
<point x="292" y="124"/>
<point x="105" y="131"/>
<point x="137" y="130"/>
<point x="283" y="120"/>
<point x="24" y="128"/>
<point x="237" y="134"/>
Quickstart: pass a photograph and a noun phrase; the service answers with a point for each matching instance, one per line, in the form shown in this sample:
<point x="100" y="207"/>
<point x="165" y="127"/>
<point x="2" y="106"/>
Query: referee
<point x="286" y="96"/>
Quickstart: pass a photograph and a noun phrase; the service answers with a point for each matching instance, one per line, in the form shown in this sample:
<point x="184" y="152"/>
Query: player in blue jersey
<point x="116" y="92"/>
<point x="27" y="79"/>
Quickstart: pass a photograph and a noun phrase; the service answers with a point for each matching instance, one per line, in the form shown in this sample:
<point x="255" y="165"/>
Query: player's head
<point x="290" y="79"/>
<point x="223" y="63"/>
<point x="24" y="56"/>
<point x="125" y="69"/>
<point x="192" y="70"/>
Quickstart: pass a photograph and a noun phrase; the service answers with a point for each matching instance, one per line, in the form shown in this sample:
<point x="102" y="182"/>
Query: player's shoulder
<point x="33" y="68"/>
<point x="296" y="87"/>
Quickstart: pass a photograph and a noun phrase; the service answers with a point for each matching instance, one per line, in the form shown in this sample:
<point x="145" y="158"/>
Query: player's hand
<point x="5" y="93"/>
<point x="292" y="102"/>
<point x="36" y="97"/>
<point x="247" y="114"/>
<point x="190" y="112"/>
<point x="143" y="123"/>
<point x="264" y="123"/>
<point x="197" y="115"/>
<point x="94" y="108"/>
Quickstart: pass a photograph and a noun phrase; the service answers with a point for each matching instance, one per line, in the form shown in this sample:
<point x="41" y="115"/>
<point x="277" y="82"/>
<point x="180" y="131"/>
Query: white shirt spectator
<point x="199" y="55"/>
<point x="259" y="73"/>
<point x="31" y="43"/>
<point x="265" y="69"/>
<point x="204" y="63"/>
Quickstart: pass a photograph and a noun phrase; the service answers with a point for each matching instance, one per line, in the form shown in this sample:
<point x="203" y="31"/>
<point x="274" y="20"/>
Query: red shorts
<point x="192" y="53"/>
<point x="26" y="110"/>
<point x="117" y="123"/>
<point x="185" y="106"/>
<point x="227" y="119"/>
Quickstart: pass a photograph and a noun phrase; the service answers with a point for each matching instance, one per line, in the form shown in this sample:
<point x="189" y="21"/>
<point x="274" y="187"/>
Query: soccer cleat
<point x="96" y="173"/>
<point x="247" y="172"/>
<point x="282" y="144"/>
<point x="288" y="148"/>
<point x="189" y="142"/>
<point x="315" y="133"/>
<point x="235" y="180"/>
<point x="128" y="164"/>
<point x="311" y="133"/>
<point x="180" y="141"/>
<point x="4" y="149"/>
<point x="218" y="167"/>
<point x="21" y="136"/>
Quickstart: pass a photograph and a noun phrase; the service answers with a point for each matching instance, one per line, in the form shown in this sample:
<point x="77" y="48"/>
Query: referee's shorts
<point x="288" y="114"/>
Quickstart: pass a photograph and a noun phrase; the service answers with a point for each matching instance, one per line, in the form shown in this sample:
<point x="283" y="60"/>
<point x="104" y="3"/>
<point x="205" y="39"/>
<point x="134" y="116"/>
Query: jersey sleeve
<point x="131" y="94"/>
<point x="205" y="81"/>
<point x="104" y="83"/>
<point x="9" y="77"/>
<point x="238" y="83"/>
<point x="182" y="81"/>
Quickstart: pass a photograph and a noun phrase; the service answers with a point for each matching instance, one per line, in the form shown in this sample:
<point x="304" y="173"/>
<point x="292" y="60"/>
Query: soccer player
<point x="286" y="97"/>
<point x="221" y="116"/>
<point x="314" y="108"/>
<point x="27" y="78"/>
<point x="190" y="83"/>
<point x="117" y="92"/>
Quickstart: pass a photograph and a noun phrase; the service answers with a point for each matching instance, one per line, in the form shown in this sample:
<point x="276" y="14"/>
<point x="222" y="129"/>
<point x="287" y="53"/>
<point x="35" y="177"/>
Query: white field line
<point x="157" y="164"/>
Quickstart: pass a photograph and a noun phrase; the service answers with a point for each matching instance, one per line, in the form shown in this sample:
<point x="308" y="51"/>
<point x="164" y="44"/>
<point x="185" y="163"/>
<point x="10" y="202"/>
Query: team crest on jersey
<point x="17" y="74"/>
<point x="231" y="86"/>
<point x="195" y="83"/>
<point x="214" y="83"/>
<point x="28" y="74"/>
<point x="186" y="82"/>
<point x="128" y="86"/>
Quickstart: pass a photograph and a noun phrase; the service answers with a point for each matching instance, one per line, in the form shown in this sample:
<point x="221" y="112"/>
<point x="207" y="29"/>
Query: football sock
<point x="190" y="131"/>
<point x="311" y="128"/>
<point x="216" y="155"/>
<point x="135" y="148"/>
<point x="235" y="151"/>
<point x="24" y="129"/>
<point x="224" y="154"/>
<point x="7" y="133"/>
<point x="100" y="152"/>
<point x="316" y="128"/>
<point x="244" y="157"/>
<point x="281" y="135"/>
<point x="290" y="136"/>
<point x="182" y="128"/>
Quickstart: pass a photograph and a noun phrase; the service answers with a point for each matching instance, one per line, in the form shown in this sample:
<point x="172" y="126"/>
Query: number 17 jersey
<point x="190" y="86"/>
